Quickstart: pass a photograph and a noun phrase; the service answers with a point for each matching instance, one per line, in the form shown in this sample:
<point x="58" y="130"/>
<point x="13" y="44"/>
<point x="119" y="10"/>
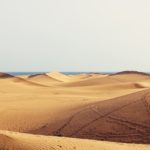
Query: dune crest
<point x="131" y="76"/>
<point x="131" y="72"/>
<point x="59" y="76"/>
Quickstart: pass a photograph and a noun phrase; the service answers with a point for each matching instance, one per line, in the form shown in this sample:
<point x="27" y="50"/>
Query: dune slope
<point x="88" y="106"/>
<point x="43" y="79"/>
<point x="123" y="119"/>
<point x="21" y="141"/>
<point x="59" y="76"/>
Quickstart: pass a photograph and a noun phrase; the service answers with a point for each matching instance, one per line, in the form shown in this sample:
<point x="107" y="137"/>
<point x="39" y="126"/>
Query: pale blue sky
<point x="74" y="35"/>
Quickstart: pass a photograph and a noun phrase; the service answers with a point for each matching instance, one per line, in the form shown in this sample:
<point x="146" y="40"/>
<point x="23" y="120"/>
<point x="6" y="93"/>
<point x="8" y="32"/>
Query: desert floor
<point x="54" y="111"/>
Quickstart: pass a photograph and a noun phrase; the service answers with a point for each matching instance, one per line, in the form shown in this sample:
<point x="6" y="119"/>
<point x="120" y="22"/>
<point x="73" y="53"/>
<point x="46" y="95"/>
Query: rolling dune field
<point x="54" y="111"/>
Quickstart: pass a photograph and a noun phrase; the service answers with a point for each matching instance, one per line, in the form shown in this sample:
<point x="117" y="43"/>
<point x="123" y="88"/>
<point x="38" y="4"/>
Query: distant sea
<point x="67" y="73"/>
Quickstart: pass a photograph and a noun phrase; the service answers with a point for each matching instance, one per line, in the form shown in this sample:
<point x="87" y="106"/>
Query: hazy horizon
<point x="80" y="36"/>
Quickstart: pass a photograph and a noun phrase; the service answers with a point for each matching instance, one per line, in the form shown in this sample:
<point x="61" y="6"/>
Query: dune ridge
<point x="59" y="76"/>
<point x="22" y="141"/>
<point x="131" y="72"/>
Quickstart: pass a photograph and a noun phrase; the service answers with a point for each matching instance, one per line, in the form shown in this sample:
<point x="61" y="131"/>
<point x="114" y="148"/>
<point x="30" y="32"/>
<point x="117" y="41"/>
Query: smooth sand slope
<point x="20" y="141"/>
<point x="93" y="106"/>
<point x="123" y="119"/>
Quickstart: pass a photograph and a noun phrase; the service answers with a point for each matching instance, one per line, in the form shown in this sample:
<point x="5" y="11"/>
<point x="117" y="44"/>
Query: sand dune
<point x="112" y="79"/>
<point x="131" y="72"/>
<point x="89" y="106"/>
<point x="33" y="107"/>
<point x="20" y="141"/>
<point x="5" y="75"/>
<point x="73" y="78"/>
<point x="20" y="81"/>
<point x="93" y="81"/>
<point x="87" y="76"/>
<point x="131" y="76"/>
<point x="60" y="76"/>
<point x="43" y="79"/>
<point x="9" y="79"/>
<point x="123" y="119"/>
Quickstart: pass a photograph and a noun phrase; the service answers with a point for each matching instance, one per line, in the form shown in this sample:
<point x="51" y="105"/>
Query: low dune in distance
<point x="43" y="79"/>
<point x="131" y="76"/>
<point x="59" y="76"/>
<point x="5" y="75"/>
<point x="93" y="107"/>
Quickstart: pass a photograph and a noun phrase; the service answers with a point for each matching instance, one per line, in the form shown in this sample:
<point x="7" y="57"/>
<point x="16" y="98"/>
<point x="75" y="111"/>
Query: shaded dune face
<point x="131" y="72"/>
<point x="15" y="79"/>
<point x="123" y="119"/>
<point x="131" y="76"/>
<point x="26" y="82"/>
<point x="36" y="75"/>
<point x="42" y="77"/>
<point x="5" y="75"/>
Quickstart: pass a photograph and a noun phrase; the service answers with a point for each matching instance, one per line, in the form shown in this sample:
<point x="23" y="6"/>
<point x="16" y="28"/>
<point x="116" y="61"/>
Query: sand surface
<point x="75" y="108"/>
<point x="21" y="141"/>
